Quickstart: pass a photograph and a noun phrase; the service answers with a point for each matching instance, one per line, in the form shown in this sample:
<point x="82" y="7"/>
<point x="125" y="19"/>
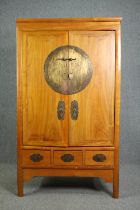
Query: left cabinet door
<point x="41" y="125"/>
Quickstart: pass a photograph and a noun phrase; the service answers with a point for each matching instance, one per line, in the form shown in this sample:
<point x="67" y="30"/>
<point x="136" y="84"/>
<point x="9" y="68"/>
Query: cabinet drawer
<point x="68" y="157"/>
<point x="36" y="158"/>
<point x="99" y="158"/>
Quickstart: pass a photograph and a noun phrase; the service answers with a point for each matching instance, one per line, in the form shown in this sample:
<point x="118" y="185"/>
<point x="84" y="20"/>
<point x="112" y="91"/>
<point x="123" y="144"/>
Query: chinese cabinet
<point x="68" y="98"/>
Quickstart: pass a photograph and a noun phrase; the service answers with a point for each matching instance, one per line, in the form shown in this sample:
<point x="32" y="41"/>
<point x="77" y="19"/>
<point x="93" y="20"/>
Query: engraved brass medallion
<point x="68" y="70"/>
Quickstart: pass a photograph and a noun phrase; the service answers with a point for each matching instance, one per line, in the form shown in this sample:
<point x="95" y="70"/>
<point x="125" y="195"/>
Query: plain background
<point x="76" y="193"/>
<point x="130" y="105"/>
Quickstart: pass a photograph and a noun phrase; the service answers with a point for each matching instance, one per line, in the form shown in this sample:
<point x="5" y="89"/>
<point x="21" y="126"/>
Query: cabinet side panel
<point x="19" y="111"/>
<point x="117" y="115"/>
<point x="19" y="87"/>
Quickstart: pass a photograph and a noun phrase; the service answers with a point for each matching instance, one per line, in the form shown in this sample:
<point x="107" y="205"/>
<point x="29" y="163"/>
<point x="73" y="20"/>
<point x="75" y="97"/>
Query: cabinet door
<point x="41" y="125"/>
<point x="95" y="123"/>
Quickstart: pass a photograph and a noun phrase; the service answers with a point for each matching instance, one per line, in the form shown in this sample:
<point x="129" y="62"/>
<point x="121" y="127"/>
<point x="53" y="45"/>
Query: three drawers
<point x="44" y="158"/>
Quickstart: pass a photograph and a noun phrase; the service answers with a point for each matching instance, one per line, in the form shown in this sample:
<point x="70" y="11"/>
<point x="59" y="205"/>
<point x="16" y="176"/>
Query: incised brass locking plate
<point x="68" y="69"/>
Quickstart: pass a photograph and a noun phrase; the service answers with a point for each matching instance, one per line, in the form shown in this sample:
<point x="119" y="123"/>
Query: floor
<point x="45" y="193"/>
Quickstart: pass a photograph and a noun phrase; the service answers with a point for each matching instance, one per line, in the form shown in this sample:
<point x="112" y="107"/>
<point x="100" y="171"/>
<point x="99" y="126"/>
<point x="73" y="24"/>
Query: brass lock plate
<point x="68" y="70"/>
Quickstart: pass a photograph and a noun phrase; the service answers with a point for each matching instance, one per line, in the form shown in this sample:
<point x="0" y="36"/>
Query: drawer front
<point x="99" y="158"/>
<point x="36" y="158"/>
<point x="68" y="157"/>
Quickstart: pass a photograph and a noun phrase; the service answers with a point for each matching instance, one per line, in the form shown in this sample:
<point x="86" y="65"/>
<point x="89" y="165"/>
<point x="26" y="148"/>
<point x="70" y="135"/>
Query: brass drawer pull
<point x="74" y="110"/>
<point x="61" y="110"/>
<point x="67" y="157"/>
<point x="99" y="157"/>
<point x="36" y="157"/>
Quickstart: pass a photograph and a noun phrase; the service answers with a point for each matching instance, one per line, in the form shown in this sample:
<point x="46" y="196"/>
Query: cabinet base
<point x="107" y="174"/>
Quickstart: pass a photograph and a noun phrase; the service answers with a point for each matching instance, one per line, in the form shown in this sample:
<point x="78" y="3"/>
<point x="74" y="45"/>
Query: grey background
<point x="130" y="106"/>
<point x="76" y="193"/>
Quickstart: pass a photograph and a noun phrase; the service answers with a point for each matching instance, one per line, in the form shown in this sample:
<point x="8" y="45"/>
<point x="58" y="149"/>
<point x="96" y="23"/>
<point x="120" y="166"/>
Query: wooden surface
<point x="19" y="114"/>
<point x="107" y="175"/>
<point x="104" y="148"/>
<point x="117" y="114"/>
<point x="82" y="158"/>
<point x="108" y="154"/>
<point x="98" y="126"/>
<point x="77" y="155"/>
<point x="96" y="113"/>
<point x="89" y="19"/>
<point x="40" y="123"/>
<point x="68" y="26"/>
<point x="27" y="162"/>
<point x="95" y="123"/>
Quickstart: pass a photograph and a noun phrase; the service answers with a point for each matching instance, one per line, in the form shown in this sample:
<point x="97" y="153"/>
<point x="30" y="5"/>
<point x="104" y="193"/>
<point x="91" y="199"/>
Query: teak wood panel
<point x="40" y="123"/>
<point x="95" y="123"/>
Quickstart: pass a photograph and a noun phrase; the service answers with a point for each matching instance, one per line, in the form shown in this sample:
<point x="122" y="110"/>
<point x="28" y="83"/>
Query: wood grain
<point x="95" y="123"/>
<point x="108" y="154"/>
<point x="104" y="148"/>
<point x="19" y="114"/>
<point x="41" y="125"/>
<point x="61" y="20"/>
<point x="93" y="24"/>
<point x="117" y="115"/>
<point x="77" y="155"/>
<point x="27" y="162"/>
<point x="107" y="175"/>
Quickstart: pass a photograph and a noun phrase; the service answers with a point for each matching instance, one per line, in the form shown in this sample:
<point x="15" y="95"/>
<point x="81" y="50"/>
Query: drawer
<point x="99" y="158"/>
<point x="68" y="157"/>
<point x="36" y="158"/>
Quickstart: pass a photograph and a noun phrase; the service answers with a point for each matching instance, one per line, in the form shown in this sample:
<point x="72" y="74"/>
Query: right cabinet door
<point x="94" y="125"/>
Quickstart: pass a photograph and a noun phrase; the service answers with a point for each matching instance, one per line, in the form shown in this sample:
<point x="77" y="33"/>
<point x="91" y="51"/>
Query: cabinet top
<point x="87" y="19"/>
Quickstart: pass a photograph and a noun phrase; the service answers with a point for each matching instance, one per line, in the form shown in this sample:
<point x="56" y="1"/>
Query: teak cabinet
<point x="68" y="98"/>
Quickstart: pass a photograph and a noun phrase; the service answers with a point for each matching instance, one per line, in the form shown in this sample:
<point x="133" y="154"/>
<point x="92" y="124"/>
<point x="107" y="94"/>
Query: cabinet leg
<point x="116" y="185"/>
<point x="20" y="183"/>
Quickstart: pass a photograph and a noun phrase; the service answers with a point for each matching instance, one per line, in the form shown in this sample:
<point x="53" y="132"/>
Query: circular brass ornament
<point x="68" y="69"/>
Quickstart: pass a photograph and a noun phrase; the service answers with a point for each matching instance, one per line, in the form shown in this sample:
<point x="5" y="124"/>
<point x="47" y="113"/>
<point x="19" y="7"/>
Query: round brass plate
<point x="68" y="69"/>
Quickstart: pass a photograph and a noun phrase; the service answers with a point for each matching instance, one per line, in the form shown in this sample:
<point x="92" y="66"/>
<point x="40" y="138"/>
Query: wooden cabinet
<point x="68" y="98"/>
